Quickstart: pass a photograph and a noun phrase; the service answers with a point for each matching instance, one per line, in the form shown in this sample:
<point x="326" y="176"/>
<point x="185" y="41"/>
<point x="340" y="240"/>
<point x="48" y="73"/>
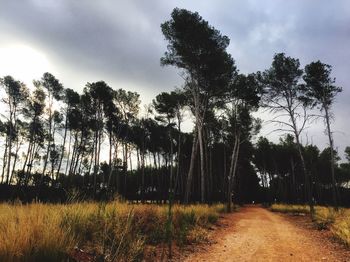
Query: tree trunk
<point x="177" y="184"/>
<point x="4" y="160"/>
<point x="171" y="164"/>
<point x="95" y="162"/>
<point x="63" y="145"/>
<point x="130" y="159"/>
<point x="210" y="172"/>
<point x="49" y="139"/>
<point x="68" y="154"/>
<point x="125" y="166"/>
<point x="27" y="157"/>
<point x="125" y="156"/>
<point x="224" y="184"/>
<point x="9" y="154"/>
<point x="306" y="176"/>
<point x="292" y="168"/>
<point x="231" y="175"/>
<point x="111" y="164"/>
<point x="308" y="193"/>
<point x="74" y="153"/>
<point x="190" y="171"/>
<point x="155" y="160"/>
<point x="330" y="137"/>
<point x="15" y="160"/>
<point x="138" y="158"/>
<point x="32" y="157"/>
<point x="12" y="130"/>
<point x="78" y="154"/>
<point x="171" y="195"/>
<point x="142" y="176"/>
<point x="30" y="162"/>
<point x="202" y="160"/>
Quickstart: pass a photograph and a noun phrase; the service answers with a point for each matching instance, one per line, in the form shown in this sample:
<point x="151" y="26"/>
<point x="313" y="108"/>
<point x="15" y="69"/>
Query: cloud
<point x="121" y="41"/>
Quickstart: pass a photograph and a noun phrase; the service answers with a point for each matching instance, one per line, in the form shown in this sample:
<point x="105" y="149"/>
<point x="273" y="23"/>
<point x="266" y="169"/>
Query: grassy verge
<point x="290" y="208"/>
<point x="112" y="232"/>
<point x="325" y="217"/>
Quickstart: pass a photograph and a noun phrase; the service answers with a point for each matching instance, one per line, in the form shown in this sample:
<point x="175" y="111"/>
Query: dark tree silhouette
<point x="200" y="51"/>
<point x="53" y="89"/>
<point x="16" y="96"/>
<point x="319" y="89"/>
<point x="282" y="95"/>
<point x="59" y="143"/>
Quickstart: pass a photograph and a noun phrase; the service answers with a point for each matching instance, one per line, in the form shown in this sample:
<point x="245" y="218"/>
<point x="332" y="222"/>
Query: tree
<point x="325" y="163"/>
<point x="128" y="104"/>
<point x="200" y="51"/>
<point x="113" y="119"/>
<point x="80" y="125"/>
<point x="16" y="96"/>
<point x="169" y="106"/>
<point x="3" y="131"/>
<point x="282" y="93"/>
<point x="72" y="100"/>
<point x="345" y="167"/>
<point x="53" y="89"/>
<point x="319" y="90"/>
<point x="347" y="153"/>
<point x="243" y="98"/>
<point x="54" y="151"/>
<point x="34" y="111"/>
<point x="262" y="160"/>
<point x="101" y="96"/>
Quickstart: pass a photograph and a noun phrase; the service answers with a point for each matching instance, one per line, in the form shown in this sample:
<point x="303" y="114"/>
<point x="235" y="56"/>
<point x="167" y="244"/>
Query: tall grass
<point x="338" y="221"/>
<point x="341" y="226"/>
<point x="290" y="208"/>
<point x="31" y="233"/>
<point x="113" y="231"/>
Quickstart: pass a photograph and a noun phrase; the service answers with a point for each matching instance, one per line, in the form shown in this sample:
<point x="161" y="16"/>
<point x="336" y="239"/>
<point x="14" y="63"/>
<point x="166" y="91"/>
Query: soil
<point x="257" y="234"/>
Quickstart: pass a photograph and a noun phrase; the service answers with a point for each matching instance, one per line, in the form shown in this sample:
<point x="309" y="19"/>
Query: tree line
<point x="55" y="138"/>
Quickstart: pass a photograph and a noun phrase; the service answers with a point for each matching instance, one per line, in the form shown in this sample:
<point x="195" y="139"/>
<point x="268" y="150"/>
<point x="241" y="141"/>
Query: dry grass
<point x="113" y="231"/>
<point x="341" y="226"/>
<point x="325" y="218"/>
<point x="32" y="232"/>
<point x="302" y="209"/>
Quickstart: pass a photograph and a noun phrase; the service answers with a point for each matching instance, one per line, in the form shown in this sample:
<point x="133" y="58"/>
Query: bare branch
<point x="280" y="122"/>
<point x="281" y="130"/>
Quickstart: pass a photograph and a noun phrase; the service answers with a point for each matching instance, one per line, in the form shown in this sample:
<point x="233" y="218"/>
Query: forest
<point x="59" y="145"/>
<point x="94" y="173"/>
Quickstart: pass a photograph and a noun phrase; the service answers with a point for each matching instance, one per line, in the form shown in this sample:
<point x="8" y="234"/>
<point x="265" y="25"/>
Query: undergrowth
<point x="338" y="221"/>
<point x="114" y="231"/>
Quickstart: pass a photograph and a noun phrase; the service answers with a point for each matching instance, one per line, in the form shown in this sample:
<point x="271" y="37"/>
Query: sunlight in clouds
<point x="23" y="63"/>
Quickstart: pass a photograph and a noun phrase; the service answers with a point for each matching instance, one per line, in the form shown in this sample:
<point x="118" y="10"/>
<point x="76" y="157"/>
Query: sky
<point x="121" y="43"/>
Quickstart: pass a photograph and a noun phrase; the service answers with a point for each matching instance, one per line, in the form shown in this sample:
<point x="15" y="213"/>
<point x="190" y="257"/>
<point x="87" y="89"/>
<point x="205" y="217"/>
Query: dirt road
<point x="256" y="234"/>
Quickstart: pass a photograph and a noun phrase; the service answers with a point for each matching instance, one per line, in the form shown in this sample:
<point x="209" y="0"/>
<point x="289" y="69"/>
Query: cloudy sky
<point x="121" y="42"/>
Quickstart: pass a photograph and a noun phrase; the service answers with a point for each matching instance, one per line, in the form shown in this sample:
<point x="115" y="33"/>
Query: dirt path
<point x="256" y="234"/>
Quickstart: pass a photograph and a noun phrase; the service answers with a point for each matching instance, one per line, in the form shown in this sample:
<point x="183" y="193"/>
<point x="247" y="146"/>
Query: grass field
<point x="112" y="231"/>
<point x="325" y="217"/>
